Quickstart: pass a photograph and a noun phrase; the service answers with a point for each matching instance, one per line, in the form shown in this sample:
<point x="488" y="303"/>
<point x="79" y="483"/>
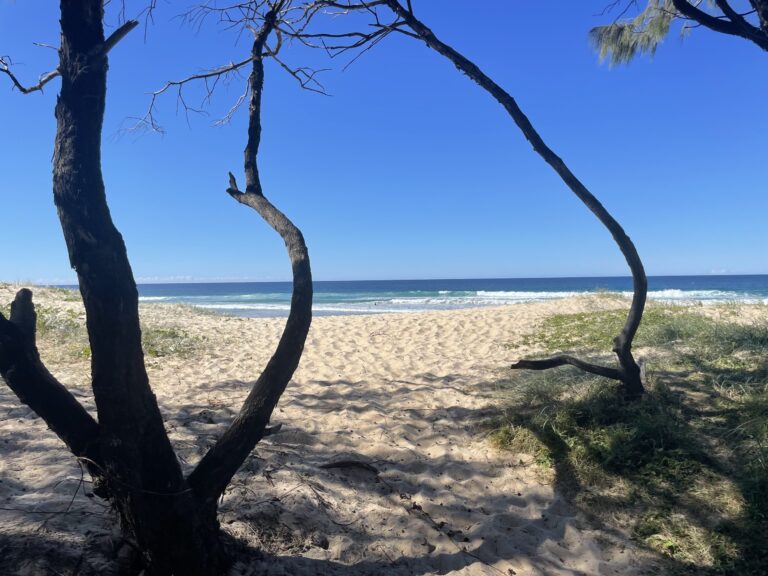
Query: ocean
<point x="272" y="299"/>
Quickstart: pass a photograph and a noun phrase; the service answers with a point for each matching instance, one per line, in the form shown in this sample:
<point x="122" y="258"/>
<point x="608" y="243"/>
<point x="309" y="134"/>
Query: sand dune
<point x="404" y="394"/>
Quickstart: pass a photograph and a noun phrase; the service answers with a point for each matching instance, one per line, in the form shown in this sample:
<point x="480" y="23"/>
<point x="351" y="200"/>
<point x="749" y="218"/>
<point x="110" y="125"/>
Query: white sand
<point x="406" y="393"/>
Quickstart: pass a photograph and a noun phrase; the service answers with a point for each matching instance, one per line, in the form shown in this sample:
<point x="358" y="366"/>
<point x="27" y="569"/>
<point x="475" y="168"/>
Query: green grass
<point x="64" y="330"/>
<point x="61" y="323"/>
<point x="65" y="294"/>
<point x="686" y="468"/>
<point x="662" y="324"/>
<point x="159" y="342"/>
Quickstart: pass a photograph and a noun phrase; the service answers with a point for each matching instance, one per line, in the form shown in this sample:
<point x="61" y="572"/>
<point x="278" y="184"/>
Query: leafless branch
<point x="109" y="43"/>
<point x="305" y="76"/>
<point x="210" y="79"/>
<point x="244" y="16"/>
<point x="5" y="67"/>
<point x="564" y="360"/>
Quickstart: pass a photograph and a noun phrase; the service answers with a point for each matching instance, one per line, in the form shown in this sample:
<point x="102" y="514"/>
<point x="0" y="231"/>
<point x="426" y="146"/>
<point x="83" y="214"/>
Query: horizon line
<point x="141" y="282"/>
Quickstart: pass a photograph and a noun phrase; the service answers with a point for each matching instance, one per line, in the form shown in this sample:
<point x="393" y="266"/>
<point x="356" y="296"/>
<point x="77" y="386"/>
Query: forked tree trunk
<point x="628" y="372"/>
<point x="169" y="518"/>
<point x="156" y="507"/>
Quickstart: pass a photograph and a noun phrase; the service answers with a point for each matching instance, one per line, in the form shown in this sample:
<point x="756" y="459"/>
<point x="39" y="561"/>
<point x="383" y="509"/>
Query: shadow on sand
<point x="427" y="499"/>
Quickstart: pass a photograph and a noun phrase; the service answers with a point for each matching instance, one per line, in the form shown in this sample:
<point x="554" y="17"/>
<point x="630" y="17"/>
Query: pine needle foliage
<point x="622" y="40"/>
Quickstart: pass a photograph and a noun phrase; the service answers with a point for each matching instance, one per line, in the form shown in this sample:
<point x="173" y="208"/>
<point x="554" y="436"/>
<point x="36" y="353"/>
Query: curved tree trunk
<point x="217" y="467"/>
<point x="628" y="372"/>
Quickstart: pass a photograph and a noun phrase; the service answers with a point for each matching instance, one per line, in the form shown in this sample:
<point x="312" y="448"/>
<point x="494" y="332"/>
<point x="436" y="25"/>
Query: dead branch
<point x="211" y="476"/>
<point x="210" y="79"/>
<point x="103" y="50"/>
<point x="565" y="360"/>
<point x="35" y="386"/>
<point x="244" y="16"/>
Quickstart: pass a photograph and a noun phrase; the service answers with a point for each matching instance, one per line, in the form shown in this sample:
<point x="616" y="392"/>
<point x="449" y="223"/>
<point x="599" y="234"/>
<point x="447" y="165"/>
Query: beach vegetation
<point x="626" y="38"/>
<point x="62" y="330"/>
<point x="58" y="322"/>
<point x="159" y="342"/>
<point x="684" y="470"/>
<point x="65" y="294"/>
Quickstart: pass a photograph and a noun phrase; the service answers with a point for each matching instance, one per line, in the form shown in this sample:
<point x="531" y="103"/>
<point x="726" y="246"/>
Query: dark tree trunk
<point x="156" y="506"/>
<point x="169" y="519"/>
<point x="629" y="372"/>
<point x="216" y="469"/>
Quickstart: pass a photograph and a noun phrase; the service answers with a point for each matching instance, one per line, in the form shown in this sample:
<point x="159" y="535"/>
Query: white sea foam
<point x="704" y="296"/>
<point x="278" y="304"/>
<point x="246" y="308"/>
<point x="524" y="296"/>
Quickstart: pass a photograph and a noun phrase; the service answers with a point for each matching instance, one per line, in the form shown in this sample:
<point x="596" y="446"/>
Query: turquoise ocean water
<point x="267" y="299"/>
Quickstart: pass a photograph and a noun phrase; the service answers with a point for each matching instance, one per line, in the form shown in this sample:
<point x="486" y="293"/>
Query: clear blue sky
<point x="410" y="170"/>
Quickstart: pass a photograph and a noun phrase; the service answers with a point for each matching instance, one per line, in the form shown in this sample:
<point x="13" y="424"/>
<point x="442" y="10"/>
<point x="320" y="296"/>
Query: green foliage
<point x="624" y="39"/>
<point x="168" y="341"/>
<point x="65" y="294"/>
<point x="687" y="466"/>
<point x="65" y="330"/>
<point x="57" y="322"/>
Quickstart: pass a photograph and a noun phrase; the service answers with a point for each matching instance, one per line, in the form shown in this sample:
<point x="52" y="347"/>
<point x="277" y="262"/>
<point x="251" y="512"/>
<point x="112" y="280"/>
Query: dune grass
<point x="685" y="470"/>
<point x="64" y="329"/>
<point x="160" y="341"/>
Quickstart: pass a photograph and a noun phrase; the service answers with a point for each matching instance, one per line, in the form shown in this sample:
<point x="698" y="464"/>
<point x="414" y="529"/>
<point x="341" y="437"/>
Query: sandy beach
<point x="404" y="394"/>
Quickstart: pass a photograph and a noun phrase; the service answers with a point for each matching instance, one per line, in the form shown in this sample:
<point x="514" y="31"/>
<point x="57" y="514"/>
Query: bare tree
<point x="625" y="38"/>
<point x="400" y="18"/>
<point x="170" y="518"/>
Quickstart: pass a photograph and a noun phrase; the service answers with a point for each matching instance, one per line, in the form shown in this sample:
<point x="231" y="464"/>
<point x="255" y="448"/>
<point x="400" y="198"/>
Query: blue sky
<point x="409" y="170"/>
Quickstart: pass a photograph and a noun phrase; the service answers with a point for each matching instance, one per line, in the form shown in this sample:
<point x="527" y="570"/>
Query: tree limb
<point x="215" y="470"/>
<point x="761" y="7"/>
<point x="108" y="44"/>
<point x="751" y="32"/>
<point x="564" y="360"/>
<point x="733" y="27"/>
<point x="25" y="374"/>
<point x="630" y="372"/>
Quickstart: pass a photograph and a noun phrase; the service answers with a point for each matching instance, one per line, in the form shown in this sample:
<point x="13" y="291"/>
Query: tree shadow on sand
<point x="386" y="487"/>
